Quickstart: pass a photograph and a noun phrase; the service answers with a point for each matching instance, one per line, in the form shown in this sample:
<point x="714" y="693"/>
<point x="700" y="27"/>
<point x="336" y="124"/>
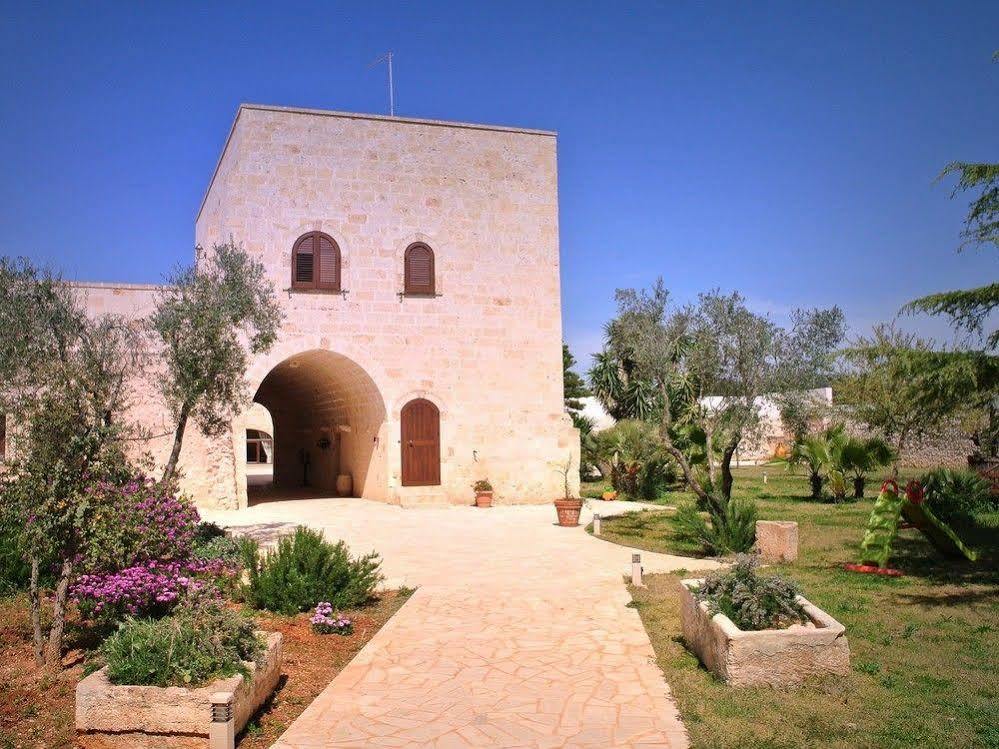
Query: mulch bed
<point x="36" y="711"/>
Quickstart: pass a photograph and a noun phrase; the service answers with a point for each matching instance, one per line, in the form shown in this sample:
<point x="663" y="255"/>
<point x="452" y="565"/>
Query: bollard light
<point x="222" y="729"/>
<point x="764" y="477"/>
<point x="636" y="569"/>
<point x="596" y="524"/>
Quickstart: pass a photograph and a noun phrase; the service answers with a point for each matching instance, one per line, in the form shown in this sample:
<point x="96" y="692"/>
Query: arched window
<point x="419" y="262"/>
<point x="315" y="263"/>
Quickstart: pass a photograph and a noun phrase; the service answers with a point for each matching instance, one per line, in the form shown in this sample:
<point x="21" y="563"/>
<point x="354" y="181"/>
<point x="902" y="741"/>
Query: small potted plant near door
<point x="609" y="494"/>
<point x="483" y="493"/>
<point x="569" y="507"/>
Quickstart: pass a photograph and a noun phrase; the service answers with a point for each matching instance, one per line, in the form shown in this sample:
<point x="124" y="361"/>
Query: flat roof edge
<point x="354" y="116"/>
<point x="387" y="118"/>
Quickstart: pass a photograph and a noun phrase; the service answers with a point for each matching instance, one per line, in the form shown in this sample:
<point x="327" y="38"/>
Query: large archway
<point x="328" y="417"/>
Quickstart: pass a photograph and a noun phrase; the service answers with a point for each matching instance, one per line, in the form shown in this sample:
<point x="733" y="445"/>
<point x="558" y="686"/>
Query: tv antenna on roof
<point x="387" y="57"/>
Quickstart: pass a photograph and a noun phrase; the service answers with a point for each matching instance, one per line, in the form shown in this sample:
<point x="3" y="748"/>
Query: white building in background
<point x="773" y="440"/>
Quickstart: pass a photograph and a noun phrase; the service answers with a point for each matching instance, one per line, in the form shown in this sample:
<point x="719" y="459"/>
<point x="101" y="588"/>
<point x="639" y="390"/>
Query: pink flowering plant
<point x="152" y="588"/>
<point x="139" y="521"/>
<point x="327" y="622"/>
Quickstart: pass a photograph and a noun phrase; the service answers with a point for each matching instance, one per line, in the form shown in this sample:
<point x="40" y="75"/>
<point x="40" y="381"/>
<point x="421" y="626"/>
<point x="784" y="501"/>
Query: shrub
<point x="325" y="622"/>
<point x="306" y="568"/>
<point x="222" y="548"/>
<point x="654" y="479"/>
<point x="206" y="531"/>
<point x="14" y="568"/>
<point x="733" y="530"/>
<point x="203" y="640"/>
<point x="149" y="589"/>
<point x="957" y="495"/>
<point x="752" y="601"/>
<point x="138" y="522"/>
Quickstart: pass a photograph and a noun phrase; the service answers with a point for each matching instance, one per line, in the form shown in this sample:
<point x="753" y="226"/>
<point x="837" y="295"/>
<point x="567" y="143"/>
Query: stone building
<point x="417" y="264"/>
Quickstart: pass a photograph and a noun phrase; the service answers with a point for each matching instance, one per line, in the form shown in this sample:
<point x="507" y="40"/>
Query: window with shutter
<point x="419" y="269"/>
<point x="315" y="263"/>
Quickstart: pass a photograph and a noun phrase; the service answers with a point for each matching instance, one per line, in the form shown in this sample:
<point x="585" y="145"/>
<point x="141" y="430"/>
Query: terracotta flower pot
<point x="568" y="511"/>
<point x="483" y="499"/>
<point x="608" y="496"/>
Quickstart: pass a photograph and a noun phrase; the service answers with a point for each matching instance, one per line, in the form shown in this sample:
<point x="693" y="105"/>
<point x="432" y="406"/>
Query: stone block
<point x="777" y="540"/>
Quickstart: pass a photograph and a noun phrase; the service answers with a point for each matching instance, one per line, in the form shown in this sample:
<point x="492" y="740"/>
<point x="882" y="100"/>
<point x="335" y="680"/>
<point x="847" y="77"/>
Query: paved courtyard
<point x="519" y="634"/>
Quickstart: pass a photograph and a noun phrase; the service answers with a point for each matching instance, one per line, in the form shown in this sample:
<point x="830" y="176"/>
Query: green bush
<point x="14" y="570"/>
<point x="201" y="641"/>
<point x="306" y="569"/>
<point x="655" y="477"/>
<point x="752" y="601"/>
<point x="226" y="549"/>
<point x="957" y="495"/>
<point x="733" y="530"/>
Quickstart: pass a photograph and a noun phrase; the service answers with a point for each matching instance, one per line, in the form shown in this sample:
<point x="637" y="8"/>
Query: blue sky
<point x="786" y="150"/>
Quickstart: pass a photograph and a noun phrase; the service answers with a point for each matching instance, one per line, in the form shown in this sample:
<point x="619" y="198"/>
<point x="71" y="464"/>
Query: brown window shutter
<point x="303" y="263"/>
<point x="329" y="263"/>
<point x="419" y="270"/>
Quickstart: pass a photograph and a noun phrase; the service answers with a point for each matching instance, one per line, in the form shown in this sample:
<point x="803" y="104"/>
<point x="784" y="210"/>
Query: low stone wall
<point x="772" y="657"/>
<point x="132" y="717"/>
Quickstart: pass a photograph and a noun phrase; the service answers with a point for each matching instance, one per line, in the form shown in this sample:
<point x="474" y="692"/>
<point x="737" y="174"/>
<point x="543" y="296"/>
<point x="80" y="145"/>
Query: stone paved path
<point x="519" y="634"/>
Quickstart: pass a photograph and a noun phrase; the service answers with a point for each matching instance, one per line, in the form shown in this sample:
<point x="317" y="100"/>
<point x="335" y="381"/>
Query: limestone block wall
<point x="208" y="466"/>
<point x="486" y="350"/>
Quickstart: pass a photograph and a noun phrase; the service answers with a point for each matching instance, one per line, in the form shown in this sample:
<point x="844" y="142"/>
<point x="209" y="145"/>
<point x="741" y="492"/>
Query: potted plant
<point x="609" y="494"/>
<point x="569" y="507"/>
<point x="483" y="493"/>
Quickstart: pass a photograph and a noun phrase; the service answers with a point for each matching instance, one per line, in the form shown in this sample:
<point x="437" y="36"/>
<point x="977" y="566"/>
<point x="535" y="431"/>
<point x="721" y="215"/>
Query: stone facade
<point x="486" y="350"/>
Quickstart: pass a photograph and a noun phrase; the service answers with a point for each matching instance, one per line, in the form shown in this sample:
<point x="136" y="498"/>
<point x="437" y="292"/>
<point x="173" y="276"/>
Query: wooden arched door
<point x="421" y="443"/>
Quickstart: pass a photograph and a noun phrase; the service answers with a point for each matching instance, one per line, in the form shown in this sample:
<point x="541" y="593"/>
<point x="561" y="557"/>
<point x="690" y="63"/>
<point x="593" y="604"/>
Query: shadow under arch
<point x="328" y="416"/>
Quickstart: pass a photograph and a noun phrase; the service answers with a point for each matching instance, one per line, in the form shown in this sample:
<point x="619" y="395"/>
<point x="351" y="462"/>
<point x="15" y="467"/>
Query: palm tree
<point x="811" y="451"/>
<point x="861" y="456"/>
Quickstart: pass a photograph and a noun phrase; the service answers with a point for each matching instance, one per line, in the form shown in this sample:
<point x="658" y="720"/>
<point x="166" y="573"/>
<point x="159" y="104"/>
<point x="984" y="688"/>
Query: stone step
<point x="426" y="499"/>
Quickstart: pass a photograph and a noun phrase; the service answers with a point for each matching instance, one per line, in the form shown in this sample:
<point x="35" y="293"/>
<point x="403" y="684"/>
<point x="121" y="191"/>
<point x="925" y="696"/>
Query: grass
<point x="923" y="647"/>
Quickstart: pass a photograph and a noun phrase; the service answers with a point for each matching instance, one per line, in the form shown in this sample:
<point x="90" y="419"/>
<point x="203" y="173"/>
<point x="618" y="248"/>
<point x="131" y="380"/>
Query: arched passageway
<point x="328" y="415"/>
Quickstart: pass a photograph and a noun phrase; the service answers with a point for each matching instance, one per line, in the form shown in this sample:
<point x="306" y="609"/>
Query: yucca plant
<point x="731" y="530"/>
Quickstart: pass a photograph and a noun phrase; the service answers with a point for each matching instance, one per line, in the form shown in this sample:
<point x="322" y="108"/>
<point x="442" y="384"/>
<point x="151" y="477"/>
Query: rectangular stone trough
<point x="120" y="716"/>
<point x="773" y="657"/>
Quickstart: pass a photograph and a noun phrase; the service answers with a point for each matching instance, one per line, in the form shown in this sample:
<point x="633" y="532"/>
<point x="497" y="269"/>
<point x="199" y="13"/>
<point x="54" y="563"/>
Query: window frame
<point x="315" y="284"/>
<point x="409" y="289"/>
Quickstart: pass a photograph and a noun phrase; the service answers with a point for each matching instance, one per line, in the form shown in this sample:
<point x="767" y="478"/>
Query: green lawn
<point x="924" y="648"/>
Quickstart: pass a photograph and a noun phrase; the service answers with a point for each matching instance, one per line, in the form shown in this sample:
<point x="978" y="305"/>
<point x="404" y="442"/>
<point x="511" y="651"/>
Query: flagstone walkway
<point x="519" y="634"/>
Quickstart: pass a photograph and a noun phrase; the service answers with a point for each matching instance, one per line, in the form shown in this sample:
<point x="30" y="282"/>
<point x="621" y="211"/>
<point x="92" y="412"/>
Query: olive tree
<point x="63" y="385"/>
<point x="713" y="362"/>
<point x="210" y="318"/>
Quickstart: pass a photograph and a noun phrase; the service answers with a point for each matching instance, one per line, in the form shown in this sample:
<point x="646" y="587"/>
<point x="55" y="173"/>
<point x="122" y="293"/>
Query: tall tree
<point x="63" y="382"/>
<point x="712" y="363"/>
<point x="901" y="388"/>
<point x="971" y="309"/>
<point x="210" y="318"/>
<point x="573" y="386"/>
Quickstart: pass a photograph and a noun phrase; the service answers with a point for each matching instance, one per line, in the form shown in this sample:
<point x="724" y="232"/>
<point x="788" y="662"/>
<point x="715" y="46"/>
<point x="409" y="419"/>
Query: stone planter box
<point x="772" y="657"/>
<point x="116" y="717"/>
